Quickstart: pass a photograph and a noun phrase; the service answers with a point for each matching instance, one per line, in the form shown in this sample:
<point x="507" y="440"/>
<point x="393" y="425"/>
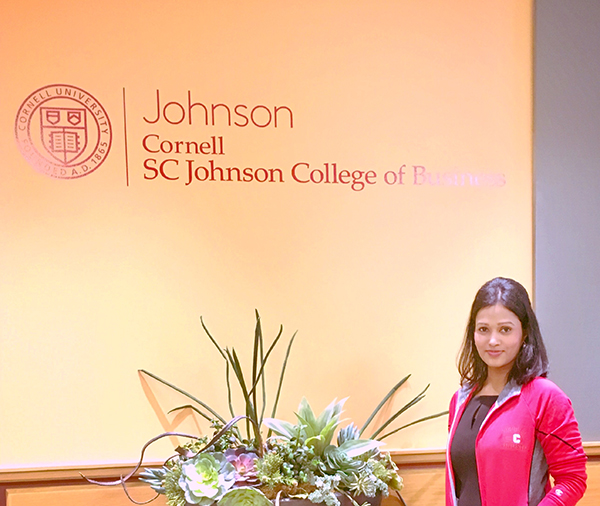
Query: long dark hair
<point x="532" y="359"/>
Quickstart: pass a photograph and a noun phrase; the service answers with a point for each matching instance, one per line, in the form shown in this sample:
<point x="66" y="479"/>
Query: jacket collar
<point x="511" y="389"/>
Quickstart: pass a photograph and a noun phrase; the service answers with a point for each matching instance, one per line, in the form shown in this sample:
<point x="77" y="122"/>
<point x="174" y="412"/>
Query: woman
<point x="509" y="426"/>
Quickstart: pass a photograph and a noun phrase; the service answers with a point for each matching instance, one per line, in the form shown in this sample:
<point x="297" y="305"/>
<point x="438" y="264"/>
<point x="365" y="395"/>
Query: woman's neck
<point x="494" y="383"/>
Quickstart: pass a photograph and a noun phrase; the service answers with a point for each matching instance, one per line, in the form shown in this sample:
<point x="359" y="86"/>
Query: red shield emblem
<point x="74" y="117"/>
<point x="64" y="132"/>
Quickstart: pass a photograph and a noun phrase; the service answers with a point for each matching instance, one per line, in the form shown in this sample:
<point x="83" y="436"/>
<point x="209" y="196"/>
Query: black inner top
<point x="462" y="451"/>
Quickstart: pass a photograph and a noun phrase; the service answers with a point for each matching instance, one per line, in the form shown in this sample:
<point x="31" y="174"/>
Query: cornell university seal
<point x="63" y="131"/>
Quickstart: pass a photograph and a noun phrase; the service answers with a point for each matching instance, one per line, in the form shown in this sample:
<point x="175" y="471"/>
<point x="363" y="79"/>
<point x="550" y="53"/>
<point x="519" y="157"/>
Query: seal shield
<point x="64" y="132"/>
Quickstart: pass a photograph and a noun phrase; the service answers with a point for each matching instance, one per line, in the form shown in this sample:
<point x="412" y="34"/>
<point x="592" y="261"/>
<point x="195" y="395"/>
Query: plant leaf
<point x="213" y="340"/>
<point x="382" y="403"/>
<point x="408" y="405"/>
<point x="313" y="440"/>
<point x="283" y="368"/>
<point x="255" y="352"/>
<point x="190" y="396"/>
<point x="227" y="380"/>
<point x="250" y="411"/>
<point x="281" y="427"/>
<point x="262" y="367"/>
<point x="356" y="447"/>
<point x="334" y="410"/>
<point x="329" y="429"/>
<point x="306" y="416"/>
<point x="425" y="418"/>
<point x="263" y="381"/>
<point x="193" y="408"/>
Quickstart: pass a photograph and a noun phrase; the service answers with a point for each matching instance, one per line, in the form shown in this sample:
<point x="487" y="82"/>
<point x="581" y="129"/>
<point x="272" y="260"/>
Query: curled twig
<point x="132" y="499"/>
<point x="218" y="435"/>
<point x="139" y="464"/>
<point x="179" y="450"/>
<point x="400" y="497"/>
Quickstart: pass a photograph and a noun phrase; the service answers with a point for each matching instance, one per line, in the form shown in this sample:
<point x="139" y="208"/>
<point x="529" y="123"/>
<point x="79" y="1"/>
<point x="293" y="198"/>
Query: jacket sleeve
<point x="558" y="433"/>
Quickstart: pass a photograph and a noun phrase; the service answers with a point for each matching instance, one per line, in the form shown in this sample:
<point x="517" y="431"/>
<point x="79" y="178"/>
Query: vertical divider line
<point x="125" y="131"/>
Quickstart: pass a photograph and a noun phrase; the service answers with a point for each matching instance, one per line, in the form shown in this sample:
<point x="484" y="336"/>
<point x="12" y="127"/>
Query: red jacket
<point x="530" y="430"/>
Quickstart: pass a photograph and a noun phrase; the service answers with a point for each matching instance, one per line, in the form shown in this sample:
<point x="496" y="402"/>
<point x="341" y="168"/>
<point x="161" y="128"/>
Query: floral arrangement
<point x="272" y="459"/>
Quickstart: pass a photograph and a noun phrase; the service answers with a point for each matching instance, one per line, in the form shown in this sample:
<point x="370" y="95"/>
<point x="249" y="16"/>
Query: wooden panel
<point x="78" y="495"/>
<point x="421" y="471"/>
<point x="423" y="486"/>
<point x="592" y="495"/>
<point x="66" y="473"/>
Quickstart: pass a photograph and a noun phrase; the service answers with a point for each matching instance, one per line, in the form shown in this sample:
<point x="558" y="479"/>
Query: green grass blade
<point x="193" y="408"/>
<point x="264" y="384"/>
<point x="250" y="411"/>
<point x="189" y="396"/>
<point x="237" y="370"/>
<point x="255" y="353"/>
<point x="400" y="411"/>
<point x="382" y="403"/>
<point x="204" y="415"/>
<point x="424" y="419"/>
<point x="262" y="367"/>
<point x="213" y="340"/>
<point x="227" y="379"/>
<point x="281" y="376"/>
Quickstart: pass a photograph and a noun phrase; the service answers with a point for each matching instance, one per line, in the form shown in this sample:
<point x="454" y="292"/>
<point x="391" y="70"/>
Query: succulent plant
<point x="206" y="477"/>
<point x="244" y="463"/>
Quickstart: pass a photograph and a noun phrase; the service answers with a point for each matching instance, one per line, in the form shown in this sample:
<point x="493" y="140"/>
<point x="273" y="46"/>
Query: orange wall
<point x="109" y="272"/>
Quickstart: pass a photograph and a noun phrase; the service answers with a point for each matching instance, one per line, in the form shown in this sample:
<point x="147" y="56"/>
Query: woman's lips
<point x="494" y="353"/>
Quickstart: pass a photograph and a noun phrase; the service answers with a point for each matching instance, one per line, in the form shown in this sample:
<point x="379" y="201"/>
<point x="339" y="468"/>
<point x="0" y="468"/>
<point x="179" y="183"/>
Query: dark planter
<point x="344" y="501"/>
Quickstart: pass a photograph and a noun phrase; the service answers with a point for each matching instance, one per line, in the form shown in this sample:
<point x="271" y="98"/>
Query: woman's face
<point x="498" y="338"/>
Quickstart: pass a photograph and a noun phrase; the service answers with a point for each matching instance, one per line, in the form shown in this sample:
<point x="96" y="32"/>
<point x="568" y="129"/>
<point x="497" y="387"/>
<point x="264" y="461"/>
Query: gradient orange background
<point x="99" y="279"/>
